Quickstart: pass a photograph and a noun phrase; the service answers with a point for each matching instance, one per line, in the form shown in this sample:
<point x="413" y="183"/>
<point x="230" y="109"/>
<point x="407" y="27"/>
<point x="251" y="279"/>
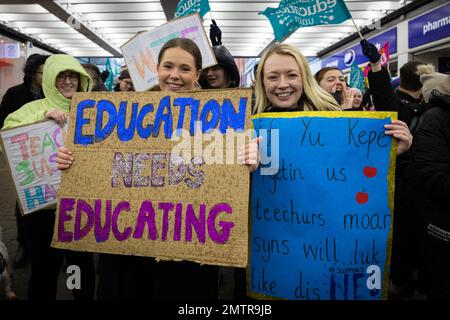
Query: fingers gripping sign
<point x="400" y="131"/>
<point x="249" y="154"/>
<point x="59" y="116"/>
<point x="64" y="158"/>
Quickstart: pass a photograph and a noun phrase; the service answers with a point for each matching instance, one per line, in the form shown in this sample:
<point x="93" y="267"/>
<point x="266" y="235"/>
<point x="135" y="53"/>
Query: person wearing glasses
<point x="125" y="83"/>
<point x="63" y="76"/>
<point x="14" y="98"/>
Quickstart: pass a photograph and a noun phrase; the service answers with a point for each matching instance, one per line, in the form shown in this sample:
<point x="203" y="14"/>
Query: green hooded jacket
<point x="34" y="111"/>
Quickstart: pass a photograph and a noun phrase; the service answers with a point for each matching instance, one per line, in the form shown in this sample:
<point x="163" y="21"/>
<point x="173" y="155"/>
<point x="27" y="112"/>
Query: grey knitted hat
<point x="433" y="80"/>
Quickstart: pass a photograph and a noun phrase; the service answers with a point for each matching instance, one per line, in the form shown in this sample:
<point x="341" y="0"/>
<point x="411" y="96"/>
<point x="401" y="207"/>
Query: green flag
<point x="109" y="83"/>
<point x="293" y="14"/>
<point x="356" y="77"/>
<point x="185" y="7"/>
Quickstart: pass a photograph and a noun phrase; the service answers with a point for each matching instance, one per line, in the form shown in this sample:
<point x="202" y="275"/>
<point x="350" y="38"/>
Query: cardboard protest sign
<point x="141" y="52"/>
<point x="155" y="174"/>
<point x="322" y="204"/>
<point x="31" y="153"/>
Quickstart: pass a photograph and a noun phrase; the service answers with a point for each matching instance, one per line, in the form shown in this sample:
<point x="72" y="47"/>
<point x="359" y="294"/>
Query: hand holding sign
<point x="59" y="116"/>
<point x="64" y="159"/>
<point x="400" y="131"/>
<point x="249" y="154"/>
<point x="142" y="191"/>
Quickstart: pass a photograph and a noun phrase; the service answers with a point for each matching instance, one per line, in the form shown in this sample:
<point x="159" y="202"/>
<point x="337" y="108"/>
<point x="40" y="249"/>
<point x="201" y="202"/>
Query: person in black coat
<point x="30" y="90"/>
<point x="225" y="74"/>
<point x="431" y="159"/>
<point x="14" y="98"/>
<point x="407" y="273"/>
<point x="407" y="100"/>
<point x="94" y="73"/>
<point x="232" y="281"/>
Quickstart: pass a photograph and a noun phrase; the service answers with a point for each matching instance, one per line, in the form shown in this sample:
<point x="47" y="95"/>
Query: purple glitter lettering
<point x="122" y="167"/>
<point x="158" y="162"/>
<point x="177" y="169"/>
<point x="199" y="175"/>
<point x="138" y="167"/>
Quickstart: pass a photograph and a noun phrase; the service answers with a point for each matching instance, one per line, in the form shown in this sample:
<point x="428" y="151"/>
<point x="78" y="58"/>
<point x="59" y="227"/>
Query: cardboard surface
<point x="127" y="194"/>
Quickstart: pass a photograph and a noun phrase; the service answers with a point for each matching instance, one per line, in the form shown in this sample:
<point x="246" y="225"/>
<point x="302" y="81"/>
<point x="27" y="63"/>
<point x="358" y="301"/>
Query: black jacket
<point x="410" y="218"/>
<point x="431" y="158"/>
<point x="386" y="99"/>
<point x="226" y="61"/>
<point x="14" y="99"/>
<point x="100" y="87"/>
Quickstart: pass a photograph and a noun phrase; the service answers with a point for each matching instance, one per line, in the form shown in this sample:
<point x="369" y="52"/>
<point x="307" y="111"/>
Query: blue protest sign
<point x="429" y="27"/>
<point x="320" y="226"/>
<point x="291" y="15"/>
<point x="186" y="7"/>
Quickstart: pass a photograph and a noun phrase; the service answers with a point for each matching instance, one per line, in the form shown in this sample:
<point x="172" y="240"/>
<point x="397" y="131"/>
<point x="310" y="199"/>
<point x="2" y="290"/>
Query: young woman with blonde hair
<point x="284" y="81"/>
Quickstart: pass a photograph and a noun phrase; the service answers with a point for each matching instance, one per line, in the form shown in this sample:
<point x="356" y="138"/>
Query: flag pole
<point x="356" y="27"/>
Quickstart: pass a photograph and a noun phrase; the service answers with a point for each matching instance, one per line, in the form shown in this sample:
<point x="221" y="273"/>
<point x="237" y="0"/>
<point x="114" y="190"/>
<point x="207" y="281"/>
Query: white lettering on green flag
<point x="293" y="14"/>
<point x="186" y="7"/>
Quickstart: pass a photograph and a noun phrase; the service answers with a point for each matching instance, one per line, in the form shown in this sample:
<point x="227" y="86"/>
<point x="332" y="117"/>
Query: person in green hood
<point x="63" y="76"/>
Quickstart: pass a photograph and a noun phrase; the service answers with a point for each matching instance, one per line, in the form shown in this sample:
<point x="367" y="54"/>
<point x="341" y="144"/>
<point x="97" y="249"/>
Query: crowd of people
<point x="283" y="83"/>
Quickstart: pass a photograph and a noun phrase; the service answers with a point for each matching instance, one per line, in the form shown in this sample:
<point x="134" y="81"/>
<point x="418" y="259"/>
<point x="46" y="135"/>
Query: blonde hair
<point x="313" y="96"/>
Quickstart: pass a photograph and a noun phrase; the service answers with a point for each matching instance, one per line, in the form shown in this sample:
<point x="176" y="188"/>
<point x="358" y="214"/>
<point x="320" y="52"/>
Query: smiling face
<point x="216" y="77"/>
<point x="357" y="99"/>
<point x="332" y="81"/>
<point x="177" y="71"/>
<point x="282" y="81"/>
<point x="67" y="83"/>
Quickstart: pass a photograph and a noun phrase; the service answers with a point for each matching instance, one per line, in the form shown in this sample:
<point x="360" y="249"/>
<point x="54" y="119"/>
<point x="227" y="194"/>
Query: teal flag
<point x="293" y="14"/>
<point x="109" y="83"/>
<point x="356" y="77"/>
<point x="185" y="7"/>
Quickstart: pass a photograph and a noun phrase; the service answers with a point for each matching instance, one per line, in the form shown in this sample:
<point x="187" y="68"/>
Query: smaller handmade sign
<point x="31" y="152"/>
